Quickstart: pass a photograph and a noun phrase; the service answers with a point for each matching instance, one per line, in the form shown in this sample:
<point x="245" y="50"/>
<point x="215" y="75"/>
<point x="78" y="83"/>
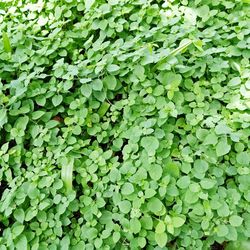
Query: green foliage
<point x="124" y="124"/>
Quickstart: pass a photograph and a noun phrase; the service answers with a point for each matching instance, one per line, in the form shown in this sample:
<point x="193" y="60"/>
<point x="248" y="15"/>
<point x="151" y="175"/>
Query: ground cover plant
<point x="124" y="124"/>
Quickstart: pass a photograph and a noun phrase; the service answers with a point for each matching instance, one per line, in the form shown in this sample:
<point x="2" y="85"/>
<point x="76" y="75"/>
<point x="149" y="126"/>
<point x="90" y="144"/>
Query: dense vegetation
<point x="124" y="124"/>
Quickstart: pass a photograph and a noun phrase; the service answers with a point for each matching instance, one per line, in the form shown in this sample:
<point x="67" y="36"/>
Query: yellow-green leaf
<point x="6" y="42"/>
<point x="67" y="172"/>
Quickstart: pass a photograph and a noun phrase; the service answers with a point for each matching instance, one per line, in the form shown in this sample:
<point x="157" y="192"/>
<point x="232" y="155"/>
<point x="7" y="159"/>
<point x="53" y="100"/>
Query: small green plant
<point x="124" y="124"/>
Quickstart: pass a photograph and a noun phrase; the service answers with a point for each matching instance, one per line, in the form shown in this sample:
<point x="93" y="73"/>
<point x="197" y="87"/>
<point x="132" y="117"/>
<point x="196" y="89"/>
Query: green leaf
<point x="30" y="214"/>
<point x="222" y="230"/>
<point x="211" y="139"/>
<point x="200" y="166"/>
<point x="127" y="189"/>
<point x="21" y="242"/>
<point x="147" y="222"/>
<point x="57" y="100"/>
<point x="125" y="206"/>
<point x="207" y="183"/>
<point x="170" y="79"/>
<point x="183" y="45"/>
<point x="103" y="109"/>
<point x="21" y="123"/>
<point x="234" y="82"/>
<point x="243" y="158"/>
<point x="149" y="193"/>
<point x="172" y="169"/>
<point x="222" y="128"/>
<point x="86" y="90"/>
<point x="161" y="239"/>
<point x="88" y="4"/>
<point x="65" y="242"/>
<point x="183" y="182"/>
<point x="238" y="245"/>
<point x="116" y="236"/>
<point x="154" y="205"/>
<point x="17" y="230"/>
<point x="59" y="72"/>
<point x="135" y="226"/>
<point x="67" y="172"/>
<point x="155" y="172"/>
<point x="6" y="42"/>
<point x="37" y="114"/>
<point x="112" y="68"/>
<point x="177" y="221"/>
<point x="235" y="220"/>
<point x="203" y="11"/>
<point x="222" y="148"/>
<point x="3" y="117"/>
<point x="160" y="227"/>
<point x="97" y="85"/>
<point x="110" y="82"/>
<point x="139" y="71"/>
<point x="150" y="144"/>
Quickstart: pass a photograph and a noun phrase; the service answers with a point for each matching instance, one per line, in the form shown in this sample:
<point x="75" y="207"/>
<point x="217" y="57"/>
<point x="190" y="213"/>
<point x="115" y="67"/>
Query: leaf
<point x="235" y="220"/>
<point x="222" y="230"/>
<point x="110" y="82"/>
<point x="127" y="189"/>
<point x="183" y="45"/>
<point x="17" y="230"/>
<point x="207" y="183"/>
<point x="203" y="11"/>
<point x="211" y="139"/>
<point x="57" y="100"/>
<point x="170" y="79"/>
<point x="173" y="169"/>
<point x="97" y="85"/>
<point x="139" y="71"/>
<point x="222" y="128"/>
<point x="198" y="44"/>
<point x="160" y="227"/>
<point x="154" y="205"/>
<point x="177" y="221"/>
<point x="37" y="114"/>
<point x="240" y="244"/>
<point x="88" y="4"/>
<point x="65" y="242"/>
<point x="86" y="90"/>
<point x="200" y="166"/>
<point x="3" y="117"/>
<point x="161" y="239"/>
<point x="135" y="225"/>
<point x="116" y="236"/>
<point x="6" y="42"/>
<point x="112" y="68"/>
<point x="125" y="206"/>
<point x="243" y="158"/>
<point x="150" y="144"/>
<point x="155" y="172"/>
<point x="149" y="193"/>
<point x="21" y="242"/>
<point x="58" y="12"/>
<point x="59" y="72"/>
<point x="103" y="109"/>
<point x="234" y="82"/>
<point x="222" y="148"/>
<point x="30" y="214"/>
<point x="21" y="123"/>
<point x="147" y="222"/>
<point x="67" y="172"/>
<point x="183" y="182"/>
